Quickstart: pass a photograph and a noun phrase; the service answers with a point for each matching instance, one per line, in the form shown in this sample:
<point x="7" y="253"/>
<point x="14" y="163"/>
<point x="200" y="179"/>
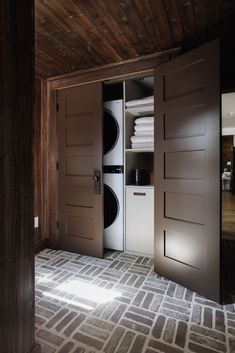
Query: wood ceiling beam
<point x="112" y="71"/>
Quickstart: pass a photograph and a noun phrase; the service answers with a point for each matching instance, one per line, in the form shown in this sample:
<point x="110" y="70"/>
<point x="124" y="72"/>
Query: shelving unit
<point x="137" y="160"/>
<point x="138" y="207"/>
<point x="139" y="200"/>
<point x="140" y="186"/>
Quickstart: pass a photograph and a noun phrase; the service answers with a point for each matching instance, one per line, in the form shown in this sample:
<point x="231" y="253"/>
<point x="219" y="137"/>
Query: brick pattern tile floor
<point x="119" y="305"/>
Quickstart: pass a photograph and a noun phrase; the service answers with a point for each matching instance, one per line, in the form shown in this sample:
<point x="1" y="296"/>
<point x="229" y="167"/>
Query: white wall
<point x="228" y="131"/>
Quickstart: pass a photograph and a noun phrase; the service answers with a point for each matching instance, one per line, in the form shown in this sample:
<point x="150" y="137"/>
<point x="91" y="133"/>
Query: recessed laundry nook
<point x="129" y="124"/>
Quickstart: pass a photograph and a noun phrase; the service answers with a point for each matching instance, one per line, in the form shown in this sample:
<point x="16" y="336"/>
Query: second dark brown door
<point x="187" y="169"/>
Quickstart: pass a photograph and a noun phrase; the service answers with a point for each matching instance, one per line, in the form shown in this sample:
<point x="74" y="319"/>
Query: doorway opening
<point x="228" y="194"/>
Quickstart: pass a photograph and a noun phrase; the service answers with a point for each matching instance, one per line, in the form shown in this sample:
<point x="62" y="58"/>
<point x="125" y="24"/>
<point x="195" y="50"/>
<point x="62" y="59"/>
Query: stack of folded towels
<point x="143" y="137"/>
<point x="140" y="102"/>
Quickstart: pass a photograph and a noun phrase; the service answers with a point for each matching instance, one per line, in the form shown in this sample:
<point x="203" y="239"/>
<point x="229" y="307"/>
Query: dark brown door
<point x="80" y="169"/>
<point x="187" y="169"/>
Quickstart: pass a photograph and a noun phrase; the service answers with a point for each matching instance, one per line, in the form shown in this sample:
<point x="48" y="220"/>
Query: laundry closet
<point x="129" y="166"/>
<point x="120" y="188"/>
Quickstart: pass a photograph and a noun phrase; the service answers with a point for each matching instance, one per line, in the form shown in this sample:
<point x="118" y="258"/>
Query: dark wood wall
<point x="45" y="172"/>
<point x="227" y="145"/>
<point x="37" y="160"/>
<point x="225" y="31"/>
<point x="40" y="149"/>
<point x="16" y="181"/>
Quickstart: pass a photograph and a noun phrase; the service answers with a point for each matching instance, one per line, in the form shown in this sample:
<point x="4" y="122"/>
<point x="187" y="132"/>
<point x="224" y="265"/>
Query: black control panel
<point x="113" y="169"/>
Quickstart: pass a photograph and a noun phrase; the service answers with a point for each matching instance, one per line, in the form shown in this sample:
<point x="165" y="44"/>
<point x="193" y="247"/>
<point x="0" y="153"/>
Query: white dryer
<point x="113" y="207"/>
<point x="113" y="132"/>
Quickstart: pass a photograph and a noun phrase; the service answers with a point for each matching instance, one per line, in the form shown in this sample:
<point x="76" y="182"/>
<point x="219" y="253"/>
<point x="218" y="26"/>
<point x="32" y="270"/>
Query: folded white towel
<point x="142" y="145"/>
<point x="144" y="133"/>
<point x="142" y="101"/>
<point x="145" y="120"/>
<point x="144" y="127"/>
<point x="142" y="138"/>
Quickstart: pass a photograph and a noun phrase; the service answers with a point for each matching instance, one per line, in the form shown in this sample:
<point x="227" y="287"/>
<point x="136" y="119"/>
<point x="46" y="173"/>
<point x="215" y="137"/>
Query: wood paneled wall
<point x="37" y="161"/>
<point x="45" y="172"/>
<point x="227" y="145"/>
<point x="16" y="180"/>
<point x="114" y="71"/>
<point x="225" y="30"/>
<point x="41" y="170"/>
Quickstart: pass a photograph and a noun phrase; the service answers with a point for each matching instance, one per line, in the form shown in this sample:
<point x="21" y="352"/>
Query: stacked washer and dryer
<point x="113" y="175"/>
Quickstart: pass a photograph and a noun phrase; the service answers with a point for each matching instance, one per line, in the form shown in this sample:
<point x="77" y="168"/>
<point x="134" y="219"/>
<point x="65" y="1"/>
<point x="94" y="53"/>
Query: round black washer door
<point x="111" y="132"/>
<point x="111" y="206"/>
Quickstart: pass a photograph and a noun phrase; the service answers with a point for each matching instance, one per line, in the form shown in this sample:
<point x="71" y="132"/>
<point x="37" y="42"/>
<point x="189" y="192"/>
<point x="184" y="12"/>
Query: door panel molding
<point x="187" y="169"/>
<point x="79" y="120"/>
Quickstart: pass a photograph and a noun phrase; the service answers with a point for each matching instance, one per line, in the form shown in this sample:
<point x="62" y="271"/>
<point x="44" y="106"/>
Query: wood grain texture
<point x="76" y="35"/>
<point x="227" y="145"/>
<point x="228" y="215"/>
<point x="45" y="172"/>
<point x="45" y="135"/>
<point x="134" y="67"/>
<point x="52" y="158"/>
<point x="16" y="179"/>
<point x="37" y="143"/>
<point x="41" y="165"/>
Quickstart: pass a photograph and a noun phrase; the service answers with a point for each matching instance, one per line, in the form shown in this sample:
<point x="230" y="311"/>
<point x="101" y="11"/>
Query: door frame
<point x="107" y="75"/>
<point x="16" y="182"/>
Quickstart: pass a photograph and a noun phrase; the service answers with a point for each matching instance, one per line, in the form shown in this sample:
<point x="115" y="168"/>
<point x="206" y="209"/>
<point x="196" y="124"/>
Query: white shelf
<point x="140" y="110"/>
<point x="140" y="186"/>
<point x="135" y="150"/>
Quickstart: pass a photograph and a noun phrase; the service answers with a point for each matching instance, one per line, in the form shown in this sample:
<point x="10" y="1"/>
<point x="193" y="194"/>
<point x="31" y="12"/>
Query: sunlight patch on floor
<point x="68" y="301"/>
<point x="89" y="291"/>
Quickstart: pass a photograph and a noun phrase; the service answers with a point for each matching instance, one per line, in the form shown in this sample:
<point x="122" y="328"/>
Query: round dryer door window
<point x="111" y="131"/>
<point x="111" y="208"/>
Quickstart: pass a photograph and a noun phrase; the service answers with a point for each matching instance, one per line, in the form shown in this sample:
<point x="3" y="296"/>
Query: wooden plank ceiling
<point x="74" y="35"/>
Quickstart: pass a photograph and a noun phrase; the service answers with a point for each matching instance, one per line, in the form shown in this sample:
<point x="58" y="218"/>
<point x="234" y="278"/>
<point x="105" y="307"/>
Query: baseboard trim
<point x="41" y="245"/>
<point x="36" y="348"/>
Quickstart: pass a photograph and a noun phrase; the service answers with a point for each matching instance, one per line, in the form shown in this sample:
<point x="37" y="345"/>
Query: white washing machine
<point x="113" y="207"/>
<point x="113" y="132"/>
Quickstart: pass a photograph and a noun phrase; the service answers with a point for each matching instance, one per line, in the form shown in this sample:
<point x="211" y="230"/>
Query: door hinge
<point x="57" y="165"/>
<point x="57" y="224"/>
